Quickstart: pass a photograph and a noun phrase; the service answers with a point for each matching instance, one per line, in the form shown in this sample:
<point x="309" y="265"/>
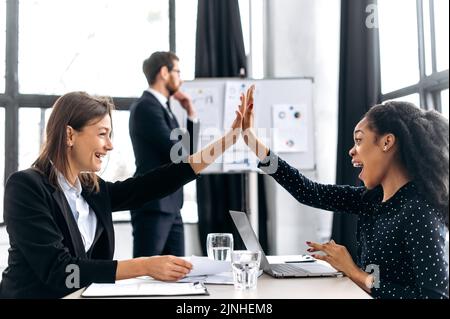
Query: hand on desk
<point x="167" y="268"/>
<point x="336" y="255"/>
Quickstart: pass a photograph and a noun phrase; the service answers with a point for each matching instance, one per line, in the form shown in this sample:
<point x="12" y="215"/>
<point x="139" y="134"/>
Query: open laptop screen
<point x="248" y="236"/>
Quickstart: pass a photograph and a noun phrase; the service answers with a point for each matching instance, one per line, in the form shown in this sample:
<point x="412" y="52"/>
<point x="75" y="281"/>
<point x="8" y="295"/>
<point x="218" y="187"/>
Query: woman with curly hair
<point x="403" y="154"/>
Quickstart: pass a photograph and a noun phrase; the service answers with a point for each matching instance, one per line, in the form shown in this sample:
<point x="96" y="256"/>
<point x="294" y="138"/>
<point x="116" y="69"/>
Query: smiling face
<point x="371" y="153"/>
<point x="87" y="147"/>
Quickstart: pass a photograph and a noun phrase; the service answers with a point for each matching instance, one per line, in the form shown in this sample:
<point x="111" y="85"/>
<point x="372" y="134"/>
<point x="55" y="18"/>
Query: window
<point x="97" y="47"/>
<point x="2" y="44"/>
<point x="31" y="135"/>
<point x="444" y="99"/>
<point x="412" y="98"/>
<point x="186" y="29"/>
<point x="399" y="63"/>
<point x="414" y="52"/>
<point x="252" y="15"/>
<point x="102" y="55"/>
<point x="2" y="159"/>
<point x="441" y="27"/>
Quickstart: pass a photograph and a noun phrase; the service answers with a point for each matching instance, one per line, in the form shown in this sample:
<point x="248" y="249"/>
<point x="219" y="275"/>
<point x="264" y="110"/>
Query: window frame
<point x="11" y="99"/>
<point x="430" y="86"/>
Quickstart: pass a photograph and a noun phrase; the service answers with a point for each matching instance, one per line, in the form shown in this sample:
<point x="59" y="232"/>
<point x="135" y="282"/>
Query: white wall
<point x="302" y="39"/>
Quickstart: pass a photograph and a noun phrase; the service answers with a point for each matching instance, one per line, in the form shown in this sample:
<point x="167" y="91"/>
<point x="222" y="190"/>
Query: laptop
<point x="311" y="269"/>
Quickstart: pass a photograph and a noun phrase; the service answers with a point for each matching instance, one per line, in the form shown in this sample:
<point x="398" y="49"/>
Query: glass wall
<point x="399" y="61"/>
<point x="2" y="44"/>
<point x="414" y="51"/>
<point x="186" y="29"/>
<point x="2" y="159"/>
<point x="94" y="46"/>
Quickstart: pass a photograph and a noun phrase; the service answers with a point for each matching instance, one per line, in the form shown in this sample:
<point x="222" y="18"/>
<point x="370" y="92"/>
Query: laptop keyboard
<point x="286" y="269"/>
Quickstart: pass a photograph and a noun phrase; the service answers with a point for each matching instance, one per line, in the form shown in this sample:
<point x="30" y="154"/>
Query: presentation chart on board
<point x="283" y="119"/>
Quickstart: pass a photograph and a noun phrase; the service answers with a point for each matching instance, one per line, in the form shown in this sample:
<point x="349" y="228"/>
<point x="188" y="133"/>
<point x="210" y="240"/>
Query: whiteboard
<point x="283" y="119"/>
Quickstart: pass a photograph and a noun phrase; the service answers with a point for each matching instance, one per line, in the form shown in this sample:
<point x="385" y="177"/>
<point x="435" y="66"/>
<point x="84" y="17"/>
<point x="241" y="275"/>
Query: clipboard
<point x="142" y="288"/>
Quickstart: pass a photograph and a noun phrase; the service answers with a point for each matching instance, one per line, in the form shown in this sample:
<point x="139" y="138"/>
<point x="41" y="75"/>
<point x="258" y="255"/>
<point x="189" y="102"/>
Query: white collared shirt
<point x="83" y="213"/>
<point x="163" y="100"/>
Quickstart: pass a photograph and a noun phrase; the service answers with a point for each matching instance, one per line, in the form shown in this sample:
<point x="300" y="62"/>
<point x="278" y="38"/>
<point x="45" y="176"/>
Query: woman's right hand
<point x="167" y="268"/>
<point x="247" y="108"/>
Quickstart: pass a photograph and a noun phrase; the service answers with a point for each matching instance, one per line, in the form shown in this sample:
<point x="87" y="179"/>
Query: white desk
<point x="272" y="288"/>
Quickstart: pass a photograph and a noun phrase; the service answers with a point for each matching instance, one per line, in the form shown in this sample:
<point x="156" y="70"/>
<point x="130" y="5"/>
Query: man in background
<point x="158" y="226"/>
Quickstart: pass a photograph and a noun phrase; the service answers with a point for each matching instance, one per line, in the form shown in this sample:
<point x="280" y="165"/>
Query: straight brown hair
<point x="75" y="109"/>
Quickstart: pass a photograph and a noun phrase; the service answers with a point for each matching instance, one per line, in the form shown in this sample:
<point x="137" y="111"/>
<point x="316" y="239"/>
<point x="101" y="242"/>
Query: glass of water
<point x="245" y="264"/>
<point x="219" y="246"/>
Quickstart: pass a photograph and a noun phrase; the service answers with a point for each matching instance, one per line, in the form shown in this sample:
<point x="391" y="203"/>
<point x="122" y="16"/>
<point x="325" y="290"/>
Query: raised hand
<point x="247" y="109"/>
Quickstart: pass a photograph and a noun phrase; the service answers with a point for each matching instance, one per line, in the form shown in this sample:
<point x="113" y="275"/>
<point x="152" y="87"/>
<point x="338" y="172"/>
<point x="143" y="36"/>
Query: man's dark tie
<point x="172" y="116"/>
<point x="169" y="109"/>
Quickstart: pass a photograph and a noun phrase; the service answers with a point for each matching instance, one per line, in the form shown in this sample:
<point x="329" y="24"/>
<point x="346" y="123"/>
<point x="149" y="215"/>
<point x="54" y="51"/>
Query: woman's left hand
<point x="336" y="255"/>
<point x="237" y="123"/>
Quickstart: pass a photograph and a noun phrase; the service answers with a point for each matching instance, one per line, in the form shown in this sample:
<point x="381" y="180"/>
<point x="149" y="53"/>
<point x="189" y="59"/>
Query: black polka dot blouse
<point x="403" y="237"/>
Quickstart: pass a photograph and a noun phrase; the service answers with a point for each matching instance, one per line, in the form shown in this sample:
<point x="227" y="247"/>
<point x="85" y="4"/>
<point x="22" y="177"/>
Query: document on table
<point x="224" y="278"/>
<point x="144" y="287"/>
<point x="202" y="266"/>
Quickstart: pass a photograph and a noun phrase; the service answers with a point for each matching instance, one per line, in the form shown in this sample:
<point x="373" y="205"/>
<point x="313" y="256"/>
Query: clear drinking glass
<point x="245" y="264"/>
<point x="219" y="246"/>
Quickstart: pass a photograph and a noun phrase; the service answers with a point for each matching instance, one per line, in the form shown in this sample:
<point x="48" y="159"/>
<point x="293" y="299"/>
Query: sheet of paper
<point x="233" y="90"/>
<point x="290" y="128"/>
<point x="239" y="160"/>
<point x="207" y="104"/>
<point x="205" y="266"/>
<point x="224" y="278"/>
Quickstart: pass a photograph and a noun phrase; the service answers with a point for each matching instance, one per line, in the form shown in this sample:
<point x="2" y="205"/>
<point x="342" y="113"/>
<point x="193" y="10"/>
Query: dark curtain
<point x="359" y="88"/>
<point x="220" y="48"/>
<point x="220" y="52"/>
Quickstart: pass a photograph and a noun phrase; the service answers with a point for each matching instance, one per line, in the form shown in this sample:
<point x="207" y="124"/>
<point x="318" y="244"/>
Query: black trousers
<point x="157" y="233"/>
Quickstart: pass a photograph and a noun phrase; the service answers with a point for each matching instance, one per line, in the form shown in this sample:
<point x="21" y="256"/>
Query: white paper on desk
<point x="142" y="287"/>
<point x="224" y="278"/>
<point x="205" y="266"/>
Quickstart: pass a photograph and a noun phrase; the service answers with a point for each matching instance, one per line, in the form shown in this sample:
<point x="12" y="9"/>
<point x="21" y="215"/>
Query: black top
<point x="45" y="243"/>
<point x="404" y="236"/>
<point x="150" y="127"/>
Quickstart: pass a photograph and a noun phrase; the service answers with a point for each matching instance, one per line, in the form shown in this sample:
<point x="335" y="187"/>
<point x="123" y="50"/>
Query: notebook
<point x="138" y="287"/>
<point x="312" y="269"/>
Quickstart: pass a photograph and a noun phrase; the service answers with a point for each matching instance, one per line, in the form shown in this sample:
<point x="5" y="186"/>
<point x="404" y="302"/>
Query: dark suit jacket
<point x="150" y="127"/>
<point x="44" y="236"/>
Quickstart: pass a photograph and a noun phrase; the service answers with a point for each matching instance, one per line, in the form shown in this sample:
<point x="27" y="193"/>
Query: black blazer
<point x="44" y="237"/>
<point x="150" y="126"/>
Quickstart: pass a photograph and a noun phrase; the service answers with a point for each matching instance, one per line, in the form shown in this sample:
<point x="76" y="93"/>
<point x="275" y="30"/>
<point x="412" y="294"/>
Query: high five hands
<point x="244" y="114"/>
<point x="244" y="124"/>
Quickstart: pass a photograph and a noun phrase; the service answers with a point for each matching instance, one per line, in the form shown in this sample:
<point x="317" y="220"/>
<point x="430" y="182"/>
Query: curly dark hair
<point x="423" y="145"/>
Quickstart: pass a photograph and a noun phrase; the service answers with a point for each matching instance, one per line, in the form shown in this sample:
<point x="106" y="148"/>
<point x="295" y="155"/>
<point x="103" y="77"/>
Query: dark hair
<point x="155" y="62"/>
<point x="76" y="109"/>
<point x="423" y="144"/>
